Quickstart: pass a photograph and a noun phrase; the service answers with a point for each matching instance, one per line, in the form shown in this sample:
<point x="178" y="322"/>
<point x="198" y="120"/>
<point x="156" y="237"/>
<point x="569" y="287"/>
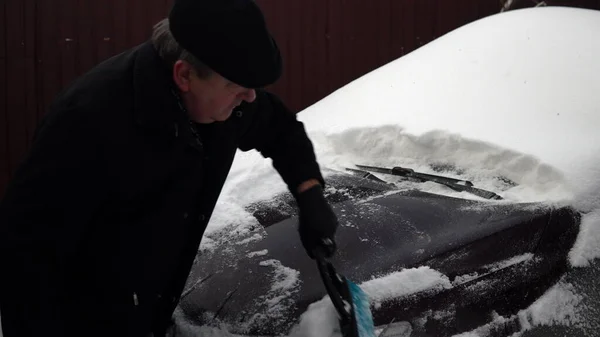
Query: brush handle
<point x="333" y="283"/>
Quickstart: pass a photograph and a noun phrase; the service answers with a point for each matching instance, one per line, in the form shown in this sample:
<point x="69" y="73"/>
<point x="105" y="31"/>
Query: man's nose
<point x="249" y="95"/>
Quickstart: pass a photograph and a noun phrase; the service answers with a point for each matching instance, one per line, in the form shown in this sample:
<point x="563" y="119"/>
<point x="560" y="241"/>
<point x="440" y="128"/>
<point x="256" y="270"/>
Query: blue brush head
<point x="362" y="311"/>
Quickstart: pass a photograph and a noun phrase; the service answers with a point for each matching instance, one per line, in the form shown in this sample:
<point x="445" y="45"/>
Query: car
<point x="463" y="175"/>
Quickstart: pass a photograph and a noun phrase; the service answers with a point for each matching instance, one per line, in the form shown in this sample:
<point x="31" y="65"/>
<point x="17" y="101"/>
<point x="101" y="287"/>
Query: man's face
<point x="211" y="99"/>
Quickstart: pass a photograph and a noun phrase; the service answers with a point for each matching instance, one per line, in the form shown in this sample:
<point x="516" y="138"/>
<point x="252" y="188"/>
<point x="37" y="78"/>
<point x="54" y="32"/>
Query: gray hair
<point x="170" y="51"/>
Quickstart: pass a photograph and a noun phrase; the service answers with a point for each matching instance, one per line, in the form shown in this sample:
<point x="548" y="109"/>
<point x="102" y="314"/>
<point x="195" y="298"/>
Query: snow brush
<point x="351" y="302"/>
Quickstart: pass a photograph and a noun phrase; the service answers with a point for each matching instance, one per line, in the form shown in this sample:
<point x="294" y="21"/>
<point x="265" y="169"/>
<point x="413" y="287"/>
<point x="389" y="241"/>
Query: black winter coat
<point x="101" y="223"/>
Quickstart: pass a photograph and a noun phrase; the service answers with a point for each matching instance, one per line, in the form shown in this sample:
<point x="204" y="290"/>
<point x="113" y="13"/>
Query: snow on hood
<point x="514" y="94"/>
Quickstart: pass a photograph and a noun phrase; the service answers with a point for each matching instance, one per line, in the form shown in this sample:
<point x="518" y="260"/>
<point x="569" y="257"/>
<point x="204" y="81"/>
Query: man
<point x="100" y="225"/>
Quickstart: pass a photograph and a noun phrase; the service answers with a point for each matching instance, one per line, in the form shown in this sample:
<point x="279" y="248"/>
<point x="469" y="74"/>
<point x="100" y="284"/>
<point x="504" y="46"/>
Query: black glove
<point x="318" y="222"/>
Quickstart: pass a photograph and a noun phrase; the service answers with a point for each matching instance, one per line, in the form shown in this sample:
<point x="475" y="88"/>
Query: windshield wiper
<point x="455" y="184"/>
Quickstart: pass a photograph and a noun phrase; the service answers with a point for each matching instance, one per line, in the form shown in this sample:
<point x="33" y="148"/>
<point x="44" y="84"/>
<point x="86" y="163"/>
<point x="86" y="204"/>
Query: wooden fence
<point x="45" y="44"/>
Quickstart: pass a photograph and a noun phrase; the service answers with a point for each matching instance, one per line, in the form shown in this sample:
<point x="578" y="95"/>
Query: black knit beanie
<point x="229" y="36"/>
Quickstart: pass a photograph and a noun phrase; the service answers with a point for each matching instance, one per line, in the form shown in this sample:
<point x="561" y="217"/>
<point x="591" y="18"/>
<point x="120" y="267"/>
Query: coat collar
<point x="155" y="102"/>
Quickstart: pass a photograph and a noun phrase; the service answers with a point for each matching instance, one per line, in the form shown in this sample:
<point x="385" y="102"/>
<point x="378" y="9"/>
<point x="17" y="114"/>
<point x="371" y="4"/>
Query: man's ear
<point x="181" y="75"/>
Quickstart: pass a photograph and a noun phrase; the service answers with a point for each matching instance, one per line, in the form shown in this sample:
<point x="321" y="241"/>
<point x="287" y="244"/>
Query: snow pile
<point x="321" y="318"/>
<point x="276" y="303"/>
<point x="407" y="281"/>
<point x="560" y="305"/>
<point x="230" y="223"/>
<point x="285" y="280"/>
<point x="585" y="248"/>
<point x="587" y="180"/>
<point x="482" y="163"/>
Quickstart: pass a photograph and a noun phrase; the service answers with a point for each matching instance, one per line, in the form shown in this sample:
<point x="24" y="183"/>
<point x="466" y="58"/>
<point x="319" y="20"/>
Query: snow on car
<point x="509" y="104"/>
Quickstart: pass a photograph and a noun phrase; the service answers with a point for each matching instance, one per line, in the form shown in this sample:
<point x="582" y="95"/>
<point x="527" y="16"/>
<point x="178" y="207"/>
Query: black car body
<point x="497" y="255"/>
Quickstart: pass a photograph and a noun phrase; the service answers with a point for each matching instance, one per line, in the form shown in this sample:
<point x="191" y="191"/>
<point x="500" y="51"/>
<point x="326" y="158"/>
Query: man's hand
<point x="318" y="222"/>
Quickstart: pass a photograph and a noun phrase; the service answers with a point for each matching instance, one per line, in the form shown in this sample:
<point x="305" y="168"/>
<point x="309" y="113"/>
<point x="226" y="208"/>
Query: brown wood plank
<point x="30" y="113"/>
<point x="365" y="45"/>
<point x="286" y="84"/>
<point x="408" y="26"/>
<point x="465" y="12"/>
<point x="29" y="28"/>
<point x="284" y="22"/>
<point x="384" y="31"/>
<point x="348" y="35"/>
<point x="275" y="13"/>
<point x="136" y="22"/>
<point x="2" y="29"/>
<point x="456" y="17"/>
<point x="352" y="30"/>
<point x="307" y="81"/>
<point x="358" y="18"/>
<point x="297" y="12"/>
<point x="487" y="8"/>
<point x="463" y="15"/>
<point x="328" y="72"/>
<point x="145" y="24"/>
<point x="15" y="93"/>
<point x="286" y="46"/>
<point x="425" y="22"/>
<point x="287" y="49"/>
<point x="348" y="30"/>
<point x="156" y="12"/>
<point x="101" y="21"/>
<point x="49" y="50"/>
<point x="317" y="74"/>
<point x="67" y="41"/>
<point x="108" y="33"/>
<point x="86" y="36"/>
<point x="335" y="41"/>
<point x="397" y="27"/>
<point x="121" y="17"/>
<point x="4" y="154"/>
<point x="167" y="6"/>
<point x="473" y="12"/>
<point x="378" y="33"/>
<point x="306" y="51"/>
<point x="37" y="66"/>
<point x="446" y="17"/>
